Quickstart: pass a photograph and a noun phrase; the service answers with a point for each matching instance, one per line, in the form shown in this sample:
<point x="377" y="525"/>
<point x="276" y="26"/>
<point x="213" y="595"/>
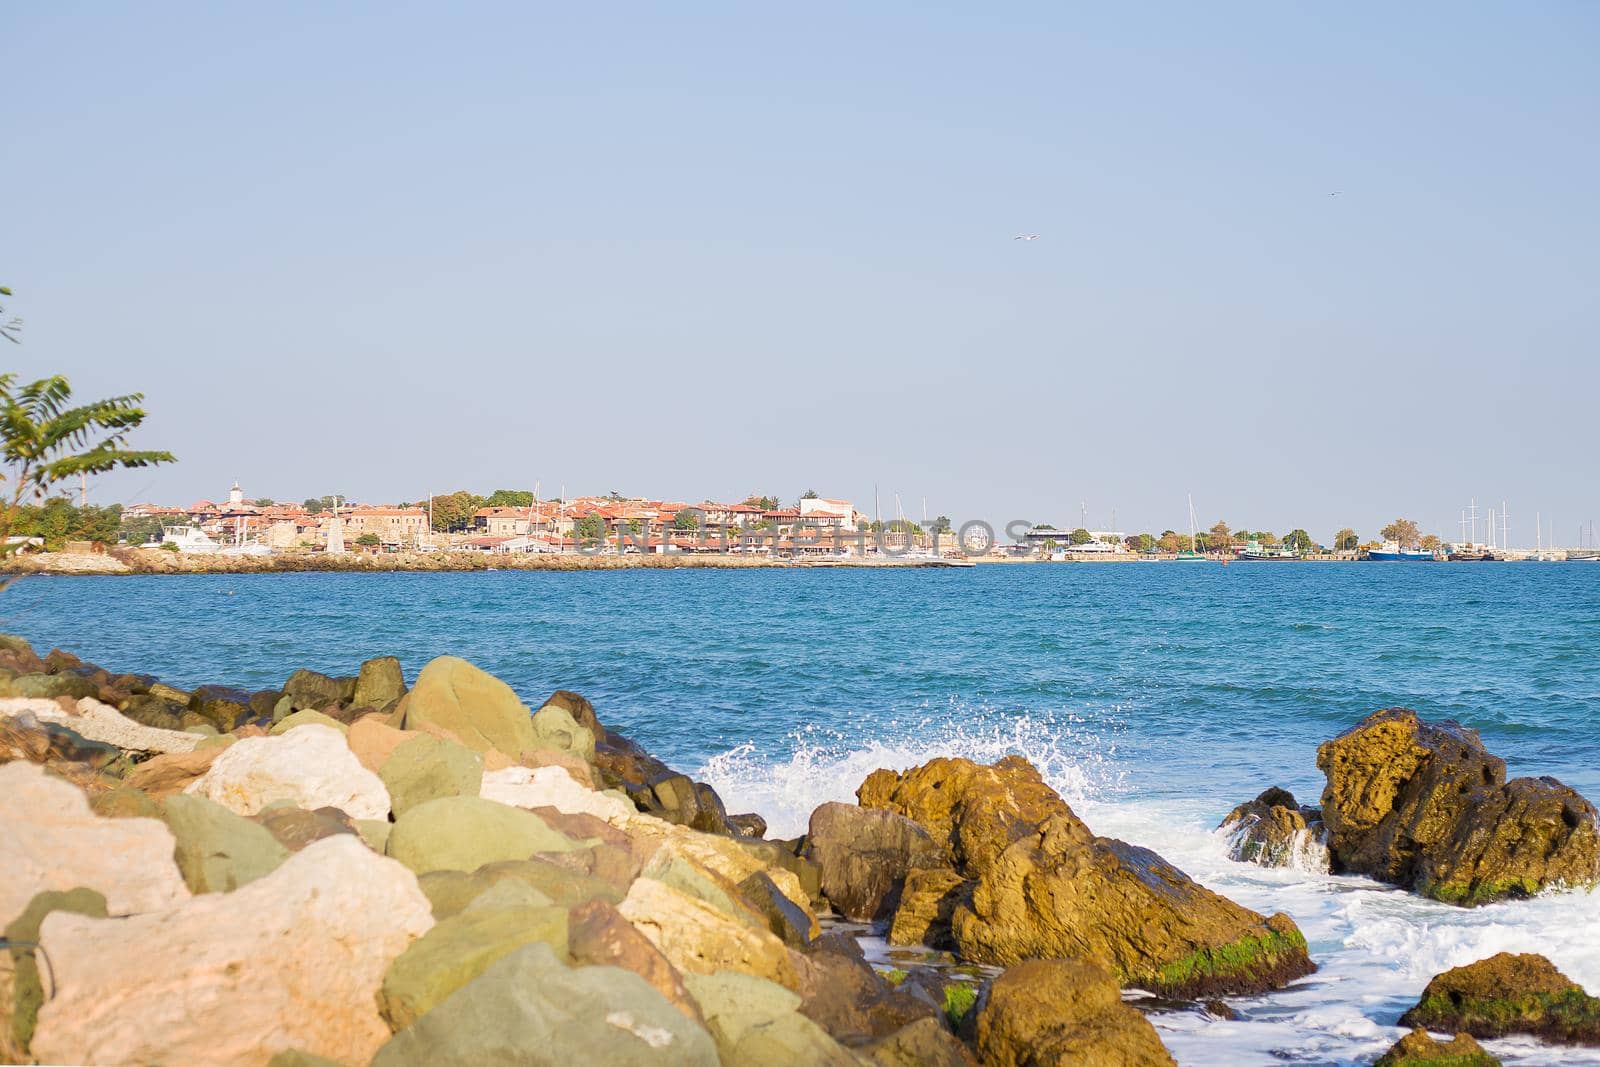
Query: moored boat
<point x="1256" y="552"/>
<point x="1391" y="552"/>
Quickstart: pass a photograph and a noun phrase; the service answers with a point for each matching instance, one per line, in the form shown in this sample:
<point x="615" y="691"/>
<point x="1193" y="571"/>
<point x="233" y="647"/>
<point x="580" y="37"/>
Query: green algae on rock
<point x="1509" y="993"/>
<point x="1420" y="1049"/>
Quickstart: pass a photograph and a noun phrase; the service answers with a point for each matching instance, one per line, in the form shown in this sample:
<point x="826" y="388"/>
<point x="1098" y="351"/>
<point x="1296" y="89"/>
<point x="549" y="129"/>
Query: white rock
<point x="292" y="960"/>
<point x="95" y="721"/>
<point x="310" y="766"/>
<point x="553" y="787"/>
<point x="49" y="839"/>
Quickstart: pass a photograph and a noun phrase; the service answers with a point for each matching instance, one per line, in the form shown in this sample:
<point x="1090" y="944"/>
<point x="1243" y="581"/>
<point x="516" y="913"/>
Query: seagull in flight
<point x="1026" y="237"/>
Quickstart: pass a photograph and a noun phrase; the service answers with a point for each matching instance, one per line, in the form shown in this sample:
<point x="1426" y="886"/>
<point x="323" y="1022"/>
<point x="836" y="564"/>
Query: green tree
<point x="264" y="501"/>
<point x="368" y="539"/>
<point x="1431" y="543"/>
<point x="140" y="530"/>
<point x="1049" y="546"/>
<point x="509" y="498"/>
<point x="1220" y="538"/>
<point x="940" y="525"/>
<point x="687" y="519"/>
<point x="453" y="512"/>
<point x="1080" y="536"/>
<point x="1299" y="540"/>
<point x="1266" y="537"/>
<point x="1168" y="541"/>
<point x="1345" y="540"/>
<point x="57" y="522"/>
<point x="1142" y="542"/>
<point x="313" y="505"/>
<point x="44" y="441"/>
<point x="809" y="494"/>
<point x="765" y="503"/>
<point x="589" y="528"/>
<point x="1403" y="532"/>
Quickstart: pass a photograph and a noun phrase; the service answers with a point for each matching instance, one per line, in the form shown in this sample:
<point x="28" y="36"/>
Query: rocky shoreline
<point x="360" y="870"/>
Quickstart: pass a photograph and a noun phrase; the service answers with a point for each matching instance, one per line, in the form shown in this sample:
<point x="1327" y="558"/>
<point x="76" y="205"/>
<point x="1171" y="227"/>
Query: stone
<point x="1425" y="806"/>
<point x="677" y="799"/>
<point x="50" y="686"/>
<point x="221" y="706"/>
<point x="95" y="721"/>
<point x="295" y="1057"/>
<point x="1067" y="893"/>
<point x="1420" y="1049"/>
<point x="425" y="768"/>
<point x="598" y="934"/>
<point x="379" y="684"/>
<point x="757" y="1023"/>
<point x="928" y="901"/>
<point x="292" y="960"/>
<point x="923" y="1043"/>
<point x="1274" y="831"/>
<point x="579" y="771"/>
<point x="845" y="996"/>
<point x="306" y="717"/>
<point x="748" y="825"/>
<point x="218" y="851"/>
<point x="51" y="840"/>
<point x="373" y="741"/>
<point x="311" y="767"/>
<point x="263" y="703"/>
<point x="162" y="691"/>
<point x="670" y="868"/>
<point x="580" y="709"/>
<point x="972" y="811"/>
<point x="21" y="991"/>
<point x="147" y="709"/>
<point x="464" y="833"/>
<point x="315" y="691"/>
<point x="527" y="1008"/>
<point x="1052" y="889"/>
<point x="452" y="891"/>
<point x="790" y="921"/>
<point x="1508" y="993"/>
<point x="1065" y="1011"/>
<point x="525" y="787"/>
<point x="459" y="949"/>
<point x="864" y="854"/>
<point x="554" y="727"/>
<point x="480" y="709"/>
<point x="125" y="802"/>
<point x="375" y="832"/>
<point x="699" y="939"/>
<point x="172" y="773"/>
<point x="295" y="828"/>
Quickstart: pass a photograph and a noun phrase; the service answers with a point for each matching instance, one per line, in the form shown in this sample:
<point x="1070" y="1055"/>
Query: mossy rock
<point x="426" y="768"/>
<point x="1420" y="1049"/>
<point x="216" y="850"/>
<point x="1508" y="993"/>
<point x="27" y="991"/>
<point x="464" y="833"/>
<point x="554" y="727"/>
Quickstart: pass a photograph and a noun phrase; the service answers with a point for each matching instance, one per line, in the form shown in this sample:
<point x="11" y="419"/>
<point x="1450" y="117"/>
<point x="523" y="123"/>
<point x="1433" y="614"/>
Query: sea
<point x="1153" y="697"/>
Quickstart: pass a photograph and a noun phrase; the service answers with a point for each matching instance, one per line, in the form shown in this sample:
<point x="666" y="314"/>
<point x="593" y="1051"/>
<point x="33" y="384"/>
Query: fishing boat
<point x="1472" y="554"/>
<point x="1391" y="552"/>
<point x="1256" y="552"/>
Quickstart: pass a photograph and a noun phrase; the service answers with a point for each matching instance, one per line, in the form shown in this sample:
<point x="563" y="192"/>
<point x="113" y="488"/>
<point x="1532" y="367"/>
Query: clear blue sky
<point x="688" y="250"/>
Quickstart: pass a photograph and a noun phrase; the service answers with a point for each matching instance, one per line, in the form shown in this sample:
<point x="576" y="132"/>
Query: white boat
<point x="188" y="539"/>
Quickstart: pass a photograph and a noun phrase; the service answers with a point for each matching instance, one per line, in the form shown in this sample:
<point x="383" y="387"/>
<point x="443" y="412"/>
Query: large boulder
<point x="480" y="709"/>
<point x="1420" y="1049"/>
<point x="459" y="949"/>
<point x="218" y="851"/>
<point x="928" y="903"/>
<point x="528" y="1008"/>
<point x="1274" y="831"/>
<point x="1063" y="1011"/>
<point x="426" y="768"/>
<point x="95" y="721"/>
<point x="700" y="939"/>
<point x="295" y="828"/>
<point x="306" y="717"/>
<point x="292" y="960"/>
<point x="757" y="1023"/>
<point x="162" y="776"/>
<point x="923" y="1043"/>
<point x="50" y="839"/>
<point x="310" y="767"/>
<point x="864" y="855"/>
<point x="373" y="740"/>
<point x="847" y="997"/>
<point x="310" y="690"/>
<point x="1052" y="888"/>
<point x="1424" y="805"/>
<point x="1508" y="994"/>
<point x="379" y="684"/>
<point x="464" y="833"/>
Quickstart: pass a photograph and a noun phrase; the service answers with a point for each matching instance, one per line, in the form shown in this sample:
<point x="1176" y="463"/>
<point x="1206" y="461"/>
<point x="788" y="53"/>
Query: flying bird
<point x="1026" y="237"/>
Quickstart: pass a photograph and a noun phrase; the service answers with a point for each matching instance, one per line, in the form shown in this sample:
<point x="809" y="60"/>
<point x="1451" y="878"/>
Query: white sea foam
<point x="1376" y="947"/>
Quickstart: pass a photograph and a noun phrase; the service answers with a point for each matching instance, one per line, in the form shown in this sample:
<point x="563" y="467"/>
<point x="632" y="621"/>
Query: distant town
<point x="812" y="527"/>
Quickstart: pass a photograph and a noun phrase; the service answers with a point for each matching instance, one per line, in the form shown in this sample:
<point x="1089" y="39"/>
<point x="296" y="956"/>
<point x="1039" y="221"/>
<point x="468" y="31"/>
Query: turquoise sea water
<point x="1154" y="697"/>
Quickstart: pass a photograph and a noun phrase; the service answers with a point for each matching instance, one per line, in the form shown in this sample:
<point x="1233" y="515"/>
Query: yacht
<point x="1391" y="552"/>
<point x="187" y="539"/>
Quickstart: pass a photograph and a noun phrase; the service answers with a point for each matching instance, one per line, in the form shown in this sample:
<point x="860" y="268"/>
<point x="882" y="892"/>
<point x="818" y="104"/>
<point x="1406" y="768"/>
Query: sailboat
<point x="1189" y="555"/>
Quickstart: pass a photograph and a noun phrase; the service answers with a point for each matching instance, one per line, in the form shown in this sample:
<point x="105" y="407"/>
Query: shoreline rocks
<point x="1036" y="882"/>
<point x="1508" y="993"/>
<point x="1420" y="1049"/>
